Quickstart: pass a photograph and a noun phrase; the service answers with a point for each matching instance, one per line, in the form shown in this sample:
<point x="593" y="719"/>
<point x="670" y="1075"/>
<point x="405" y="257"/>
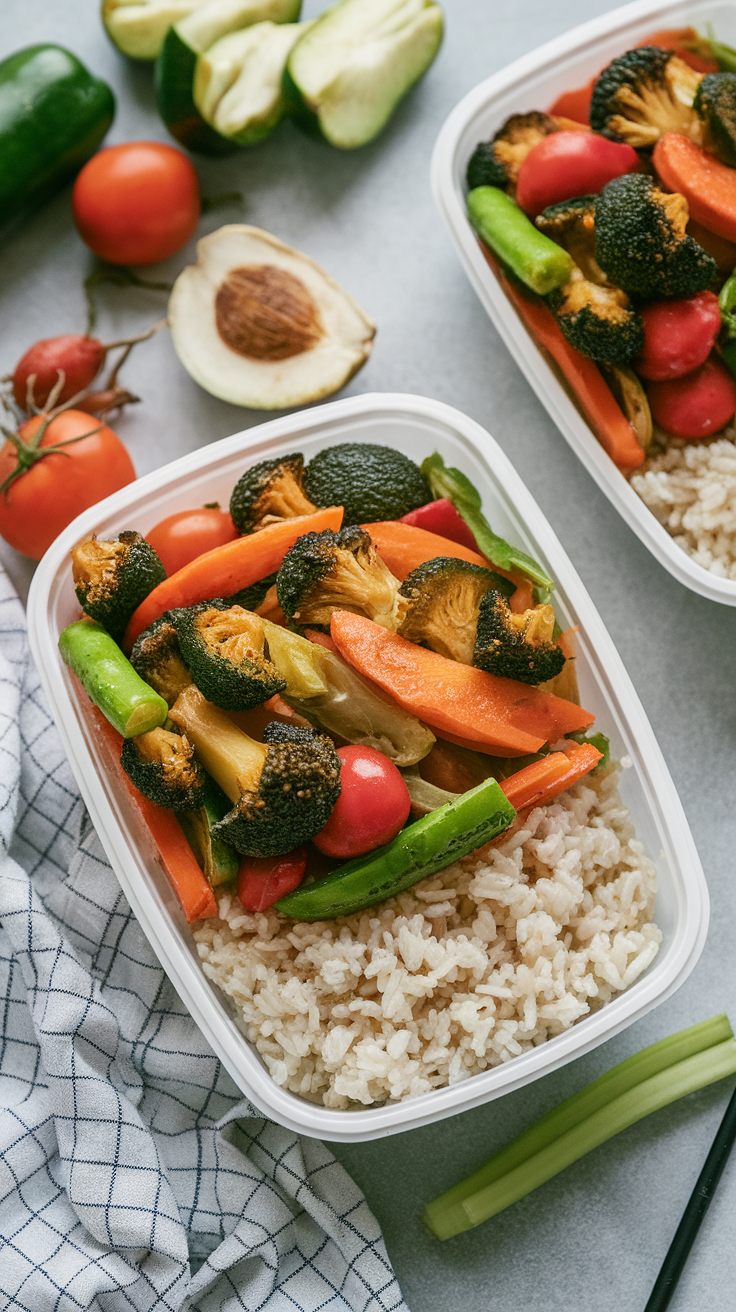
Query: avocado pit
<point x="266" y="313"/>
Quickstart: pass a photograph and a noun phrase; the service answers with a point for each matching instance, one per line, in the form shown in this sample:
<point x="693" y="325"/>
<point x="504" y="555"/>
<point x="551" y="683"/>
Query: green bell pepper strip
<point x="53" y="116"/>
<point x="447" y="482"/>
<point x="445" y="835"/>
<point x="131" y="706"/>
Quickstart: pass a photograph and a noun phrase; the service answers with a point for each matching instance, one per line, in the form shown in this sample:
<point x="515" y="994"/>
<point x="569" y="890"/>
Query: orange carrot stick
<point x="172" y="849"/>
<point x="404" y="547"/>
<point x="228" y="568"/>
<point x="708" y="186"/>
<point x="500" y="716"/>
<point x="539" y="782"/>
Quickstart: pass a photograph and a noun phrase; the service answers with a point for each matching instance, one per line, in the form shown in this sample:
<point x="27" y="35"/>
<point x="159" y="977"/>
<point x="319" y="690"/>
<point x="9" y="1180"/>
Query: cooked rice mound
<point x="468" y="969"/>
<point x="691" y="489"/>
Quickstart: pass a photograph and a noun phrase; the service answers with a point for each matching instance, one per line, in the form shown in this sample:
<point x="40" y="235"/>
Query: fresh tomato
<point x="136" y="204"/>
<point x="697" y="405"/>
<point x="442" y="518"/>
<point x="262" y="880"/>
<point x="678" y="335"/>
<point x="79" y="357"/>
<point x="190" y="533"/>
<point x="37" y="505"/>
<point x="567" y="164"/>
<point x="372" y="807"/>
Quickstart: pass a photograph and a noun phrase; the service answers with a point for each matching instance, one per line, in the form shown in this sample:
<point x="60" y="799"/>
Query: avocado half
<point x="261" y="325"/>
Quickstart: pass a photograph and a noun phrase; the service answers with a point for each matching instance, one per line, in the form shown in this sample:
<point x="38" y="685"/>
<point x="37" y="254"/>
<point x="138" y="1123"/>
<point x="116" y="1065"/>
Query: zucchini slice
<point x="238" y="81"/>
<point x="347" y="74"/>
<point x="628" y="390"/>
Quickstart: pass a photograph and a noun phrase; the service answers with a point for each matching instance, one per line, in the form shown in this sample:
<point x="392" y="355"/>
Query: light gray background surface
<point x="594" y="1237"/>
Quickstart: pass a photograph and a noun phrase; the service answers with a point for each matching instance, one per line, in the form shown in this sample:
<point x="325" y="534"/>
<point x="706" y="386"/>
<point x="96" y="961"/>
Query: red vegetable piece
<point x="567" y="164"/>
<point x="372" y="807"/>
<point x="574" y="104"/>
<point x="441" y="517"/>
<point x="678" y="335"/>
<point x="697" y="405"/>
<point x="262" y="880"/>
<point x="80" y="358"/>
<point x="709" y="187"/>
<point x="188" y="534"/>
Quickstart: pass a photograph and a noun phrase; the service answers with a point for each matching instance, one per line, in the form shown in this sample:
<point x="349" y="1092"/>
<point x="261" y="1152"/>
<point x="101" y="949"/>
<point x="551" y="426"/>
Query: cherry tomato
<point x="262" y="880"/>
<point x="136" y="204"/>
<point x="678" y="335"/>
<point x="35" y="507"/>
<point x="567" y="164"/>
<point x="80" y="357"/>
<point x="372" y="807"/>
<point x="697" y="405"/>
<point x="190" y="533"/>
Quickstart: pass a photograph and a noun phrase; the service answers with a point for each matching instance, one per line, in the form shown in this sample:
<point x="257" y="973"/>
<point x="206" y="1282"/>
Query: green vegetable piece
<point x="112" y="578"/>
<point x="641" y="242"/>
<point x="726" y="55"/>
<point x="110" y="680"/>
<point x="163" y="768"/>
<point x="446" y="835"/>
<point x="451" y="483"/>
<point x="371" y="482"/>
<point x="644" y="1083"/>
<point x="53" y="116"/>
<point x="727" y="304"/>
<point x="538" y="262"/>
<point x="238" y="82"/>
<point x="715" y="102"/>
<point x="223" y="647"/>
<point x="218" y="860"/>
<point x="347" y="74"/>
<point x="270" y="491"/>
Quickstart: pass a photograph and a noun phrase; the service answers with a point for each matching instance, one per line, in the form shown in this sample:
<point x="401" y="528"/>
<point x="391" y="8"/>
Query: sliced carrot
<point x="172" y="849"/>
<point x="589" y="388"/>
<point x="708" y="186"/>
<point x="404" y="547"/>
<point x="722" y="250"/>
<point x="322" y="639"/>
<point x="539" y="782"/>
<point x="570" y="124"/>
<point x="487" y="712"/>
<point x="229" y="568"/>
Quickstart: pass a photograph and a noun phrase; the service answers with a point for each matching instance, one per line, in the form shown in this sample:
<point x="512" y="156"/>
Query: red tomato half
<point x="136" y="204"/>
<point x="262" y="880"/>
<point x="372" y="807"/>
<point x="188" y="534"/>
<point x="697" y="405"/>
<point x="678" y="335"/>
<point x="567" y="164"/>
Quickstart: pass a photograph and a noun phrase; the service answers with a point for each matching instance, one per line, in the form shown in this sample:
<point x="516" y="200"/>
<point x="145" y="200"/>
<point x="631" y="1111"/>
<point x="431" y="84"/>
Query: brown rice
<point x="691" y="488"/>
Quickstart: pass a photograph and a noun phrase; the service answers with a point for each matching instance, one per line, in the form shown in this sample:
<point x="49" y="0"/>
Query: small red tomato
<point x="188" y="534"/>
<point x="678" y="336"/>
<point x="697" y="405"/>
<point x="372" y="807"/>
<point x="80" y="358"/>
<point x="567" y="164"/>
<point x="262" y="880"/>
<point x="137" y="203"/>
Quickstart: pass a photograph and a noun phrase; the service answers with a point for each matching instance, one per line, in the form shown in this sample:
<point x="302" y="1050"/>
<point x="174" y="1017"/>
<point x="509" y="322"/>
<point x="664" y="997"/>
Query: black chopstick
<point x="698" y="1203"/>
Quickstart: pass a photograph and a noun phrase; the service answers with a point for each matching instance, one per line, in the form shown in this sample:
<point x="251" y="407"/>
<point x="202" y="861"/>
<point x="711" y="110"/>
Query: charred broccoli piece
<point x="597" y="320"/>
<point x="223" y="648"/>
<point x="163" y="767"/>
<point x="156" y="657"/>
<point x="283" y="789"/>
<point x="330" y="571"/>
<point x="112" y="578"/>
<point x="371" y="482"/>
<point x="516" y="646"/>
<point x="643" y="94"/>
<point x="269" y="492"/>
<point x="641" y="243"/>
<point x="715" y="103"/>
<point x="496" y="163"/>
<point x="250" y="598"/>
<point x="443" y="598"/>
<point x="571" y="223"/>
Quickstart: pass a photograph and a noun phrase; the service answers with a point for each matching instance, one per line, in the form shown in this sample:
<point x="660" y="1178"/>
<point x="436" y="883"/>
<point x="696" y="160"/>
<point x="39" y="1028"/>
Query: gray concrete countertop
<point x="594" y="1237"/>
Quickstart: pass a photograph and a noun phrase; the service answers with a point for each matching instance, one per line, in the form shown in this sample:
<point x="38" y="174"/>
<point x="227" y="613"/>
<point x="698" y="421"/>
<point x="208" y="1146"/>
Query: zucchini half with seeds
<point x="348" y="73"/>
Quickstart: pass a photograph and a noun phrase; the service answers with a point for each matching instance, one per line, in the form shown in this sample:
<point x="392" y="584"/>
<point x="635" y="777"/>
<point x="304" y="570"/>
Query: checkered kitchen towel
<point x="132" y="1173"/>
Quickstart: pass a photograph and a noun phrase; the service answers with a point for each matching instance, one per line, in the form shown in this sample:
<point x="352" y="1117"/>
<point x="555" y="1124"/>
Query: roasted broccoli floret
<point x="330" y="571"/>
<point x="643" y="94"/>
<point x="156" y="657"/>
<point x="496" y="163"/>
<point x="443" y="598"/>
<point x="250" y="598"/>
<point x="283" y="790"/>
<point x="269" y="492"/>
<point x="597" y="320"/>
<point x="571" y="223"/>
<point x="516" y="646"/>
<point x="715" y="103"/>
<point x="641" y="243"/>
<point x="371" y="482"/>
<point x="163" y="767"/>
<point x="112" y="578"/>
<point x="223" y="648"/>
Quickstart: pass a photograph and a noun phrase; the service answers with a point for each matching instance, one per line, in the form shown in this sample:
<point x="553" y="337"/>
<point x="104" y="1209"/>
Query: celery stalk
<point x="651" y="1079"/>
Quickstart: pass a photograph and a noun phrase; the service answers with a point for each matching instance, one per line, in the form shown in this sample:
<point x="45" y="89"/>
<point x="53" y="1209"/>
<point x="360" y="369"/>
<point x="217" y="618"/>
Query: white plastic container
<point x="416" y="426"/>
<point x="534" y="82"/>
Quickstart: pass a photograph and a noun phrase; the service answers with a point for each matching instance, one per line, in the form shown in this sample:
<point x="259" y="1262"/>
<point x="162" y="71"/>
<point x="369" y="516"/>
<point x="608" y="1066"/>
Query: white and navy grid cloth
<point x="133" y="1175"/>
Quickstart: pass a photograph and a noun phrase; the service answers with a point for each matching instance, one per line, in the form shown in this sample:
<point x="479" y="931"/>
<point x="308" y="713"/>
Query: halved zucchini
<point x="258" y="324"/>
<point x="346" y="75"/>
<point x="138" y="27"/>
<point x="238" y="81"/>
